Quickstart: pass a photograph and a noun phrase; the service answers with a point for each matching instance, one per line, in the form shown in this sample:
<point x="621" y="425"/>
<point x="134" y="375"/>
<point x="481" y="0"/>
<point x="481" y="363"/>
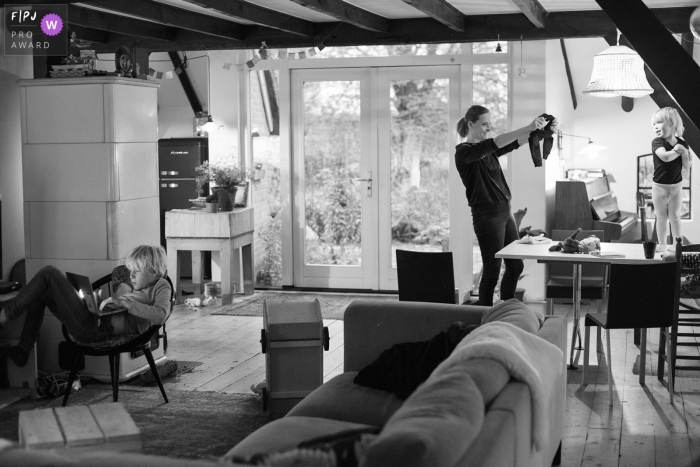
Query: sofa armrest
<point x="372" y="326"/>
<point x="553" y="330"/>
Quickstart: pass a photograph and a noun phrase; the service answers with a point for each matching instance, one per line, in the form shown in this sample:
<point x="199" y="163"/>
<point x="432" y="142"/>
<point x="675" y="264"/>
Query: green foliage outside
<point x="421" y="160"/>
<point x="270" y="234"/>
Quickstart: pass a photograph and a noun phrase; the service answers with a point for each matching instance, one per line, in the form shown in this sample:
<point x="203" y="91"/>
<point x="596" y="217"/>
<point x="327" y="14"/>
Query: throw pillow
<point x="344" y="449"/>
<point x="515" y="312"/>
<point x="403" y="367"/>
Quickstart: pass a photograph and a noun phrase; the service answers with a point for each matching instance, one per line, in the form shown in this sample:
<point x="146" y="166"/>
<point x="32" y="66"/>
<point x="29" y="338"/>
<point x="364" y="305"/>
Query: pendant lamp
<point x="618" y="71"/>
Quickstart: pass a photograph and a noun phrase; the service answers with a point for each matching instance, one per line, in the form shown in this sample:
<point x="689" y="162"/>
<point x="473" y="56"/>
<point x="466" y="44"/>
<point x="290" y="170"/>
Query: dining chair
<point x="113" y="347"/>
<point x="642" y="295"/>
<point x="687" y="315"/>
<point x="425" y="276"/>
<point x="593" y="276"/>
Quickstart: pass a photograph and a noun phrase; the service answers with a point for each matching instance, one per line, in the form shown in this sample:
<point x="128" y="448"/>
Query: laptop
<point x="83" y="286"/>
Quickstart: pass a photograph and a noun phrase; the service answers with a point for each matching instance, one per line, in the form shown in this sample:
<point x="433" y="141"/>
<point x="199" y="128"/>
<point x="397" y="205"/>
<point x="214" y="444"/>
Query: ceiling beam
<point x="186" y="84"/>
<point x="88" y="34"/>
<point x="661" y="98"/>
<point x="568" y="73"/>
<point x="347" y="13"/>
<point x="664" y="56"/>
<point x="479" y="28"/>
<point x="120" y="24"/>
<point x="175" y="17"/>
<point x="440" y="11"/>
<point x="250" y="12"/>
<point x="533" y="10"/>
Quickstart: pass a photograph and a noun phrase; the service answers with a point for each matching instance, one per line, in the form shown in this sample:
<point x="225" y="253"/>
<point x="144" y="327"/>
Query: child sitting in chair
<point x="146" y="297"/>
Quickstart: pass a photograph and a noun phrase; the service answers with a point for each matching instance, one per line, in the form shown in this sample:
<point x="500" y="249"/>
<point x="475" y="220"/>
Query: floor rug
<point x="192" y="425"/>
<point x="332" y="304"/>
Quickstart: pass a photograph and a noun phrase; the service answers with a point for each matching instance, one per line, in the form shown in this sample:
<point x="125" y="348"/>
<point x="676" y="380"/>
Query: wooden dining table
<point x="630" y="253"/>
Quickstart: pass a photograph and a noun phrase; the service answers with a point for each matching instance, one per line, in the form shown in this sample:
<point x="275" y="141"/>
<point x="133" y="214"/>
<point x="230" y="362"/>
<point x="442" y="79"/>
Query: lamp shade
<point x="695" y="23"/>
<point x="618" y="71"/>
<point x="591" y="147"/>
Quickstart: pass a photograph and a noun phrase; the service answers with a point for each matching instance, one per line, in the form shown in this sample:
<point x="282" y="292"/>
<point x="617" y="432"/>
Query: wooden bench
<point x="75" y="429"/>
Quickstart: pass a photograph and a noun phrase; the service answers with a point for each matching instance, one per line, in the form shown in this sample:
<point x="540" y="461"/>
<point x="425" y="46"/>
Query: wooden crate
<point x="293" y="340"/>
<point x="74" y="429"/>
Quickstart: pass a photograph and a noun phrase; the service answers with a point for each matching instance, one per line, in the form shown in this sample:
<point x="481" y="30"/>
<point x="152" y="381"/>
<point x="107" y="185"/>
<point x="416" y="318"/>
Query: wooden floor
<point x="641" y="428"/>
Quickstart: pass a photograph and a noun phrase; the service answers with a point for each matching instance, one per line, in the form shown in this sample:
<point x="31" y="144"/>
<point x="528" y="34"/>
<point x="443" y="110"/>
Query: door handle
<point x="169" y="172"/>
<point x="169" y="185"/>
<point x="369" y="182"/>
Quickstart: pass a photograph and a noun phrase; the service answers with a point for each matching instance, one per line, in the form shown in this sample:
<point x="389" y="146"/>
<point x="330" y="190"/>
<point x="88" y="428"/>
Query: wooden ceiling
<point x="177" y="25"/>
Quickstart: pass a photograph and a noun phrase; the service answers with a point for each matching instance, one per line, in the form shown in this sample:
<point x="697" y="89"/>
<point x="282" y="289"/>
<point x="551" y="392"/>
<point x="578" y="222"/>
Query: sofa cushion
<point x="344" y="449"/>
<point x="434" y="427"/>
<point x="515" y="312"/>
<point x="404" y="366"/>
<point x="286" y="433"/>
<point x="341" y="399"/>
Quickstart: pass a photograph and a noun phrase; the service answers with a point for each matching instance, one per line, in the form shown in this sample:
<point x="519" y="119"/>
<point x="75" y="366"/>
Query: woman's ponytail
<point x="472" y="115"/>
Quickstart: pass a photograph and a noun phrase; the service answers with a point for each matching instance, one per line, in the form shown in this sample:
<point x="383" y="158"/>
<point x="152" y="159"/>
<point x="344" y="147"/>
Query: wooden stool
<point x="198" y="231"/>
<point x="101" y="427"/>
<point x="292" y="340"/>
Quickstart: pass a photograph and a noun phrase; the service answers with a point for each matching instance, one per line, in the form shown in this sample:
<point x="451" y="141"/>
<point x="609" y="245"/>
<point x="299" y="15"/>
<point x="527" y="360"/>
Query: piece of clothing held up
<point x="545" y="135"/>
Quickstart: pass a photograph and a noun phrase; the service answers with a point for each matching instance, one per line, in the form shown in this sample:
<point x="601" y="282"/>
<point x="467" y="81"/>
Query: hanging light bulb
<point x="498" y="45"/>
<point x="618" y="71"/>
<point x="521" y="71"/>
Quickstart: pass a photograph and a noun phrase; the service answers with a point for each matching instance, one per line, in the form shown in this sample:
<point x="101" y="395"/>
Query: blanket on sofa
<point x="527" y="357"/>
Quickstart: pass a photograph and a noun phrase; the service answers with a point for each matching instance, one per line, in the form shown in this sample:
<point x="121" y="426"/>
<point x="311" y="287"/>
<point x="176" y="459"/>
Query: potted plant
<point x="225" y="177"/>
<point x="212" y="203"/>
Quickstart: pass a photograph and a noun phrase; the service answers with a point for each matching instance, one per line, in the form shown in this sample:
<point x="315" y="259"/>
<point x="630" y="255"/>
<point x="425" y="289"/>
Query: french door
<point x="371" y="154"/>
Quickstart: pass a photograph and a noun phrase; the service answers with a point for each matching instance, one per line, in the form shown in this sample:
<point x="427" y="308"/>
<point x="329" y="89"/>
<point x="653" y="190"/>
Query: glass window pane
<point x="490" y="89"/>
<point x="389" y="50"/>
<point x="420" y="164"/>
<point x="267" y="200"/>
<point x="645" y="166"/>
<point x="331" y="160"/>
<point x="685" y="207"/>
<point x="488" y="47"/>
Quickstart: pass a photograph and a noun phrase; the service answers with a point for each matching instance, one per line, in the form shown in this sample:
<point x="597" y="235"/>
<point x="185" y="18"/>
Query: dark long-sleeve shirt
<point x="478" y="166"/>
<point x="671" y="172"/>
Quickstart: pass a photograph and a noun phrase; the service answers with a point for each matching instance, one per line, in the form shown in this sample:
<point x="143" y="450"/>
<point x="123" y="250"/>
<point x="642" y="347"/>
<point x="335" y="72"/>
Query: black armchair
<point x="118" y="345"/>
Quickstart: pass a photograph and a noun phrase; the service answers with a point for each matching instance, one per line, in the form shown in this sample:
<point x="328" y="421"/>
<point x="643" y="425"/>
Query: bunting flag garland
<point x="264" y="54"/>
<point x="168" y="74"/>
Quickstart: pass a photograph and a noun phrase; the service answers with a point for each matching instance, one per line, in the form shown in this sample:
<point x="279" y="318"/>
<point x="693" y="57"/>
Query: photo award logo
<point x="36" y="30"/>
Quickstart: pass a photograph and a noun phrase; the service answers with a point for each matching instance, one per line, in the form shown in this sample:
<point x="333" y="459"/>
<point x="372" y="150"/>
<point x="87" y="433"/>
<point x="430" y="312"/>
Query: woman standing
<point x="671" y="156"/>
<point x="489" y="196"/>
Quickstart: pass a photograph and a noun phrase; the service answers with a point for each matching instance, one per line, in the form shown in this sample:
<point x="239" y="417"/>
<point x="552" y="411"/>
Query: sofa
<point x="504" y="437"/>
<point x="493" y="426"/>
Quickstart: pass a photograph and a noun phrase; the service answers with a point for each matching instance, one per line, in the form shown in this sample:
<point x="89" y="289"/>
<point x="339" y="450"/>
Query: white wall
<point x="228" y="106"/>
<point x="626" y="134"/>
<point x="527" y="181"/>
<point x="11" y="69"/>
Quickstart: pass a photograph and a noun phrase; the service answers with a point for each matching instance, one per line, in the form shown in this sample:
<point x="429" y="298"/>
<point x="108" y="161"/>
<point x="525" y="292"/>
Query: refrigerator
<point x="177" y="158"/>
